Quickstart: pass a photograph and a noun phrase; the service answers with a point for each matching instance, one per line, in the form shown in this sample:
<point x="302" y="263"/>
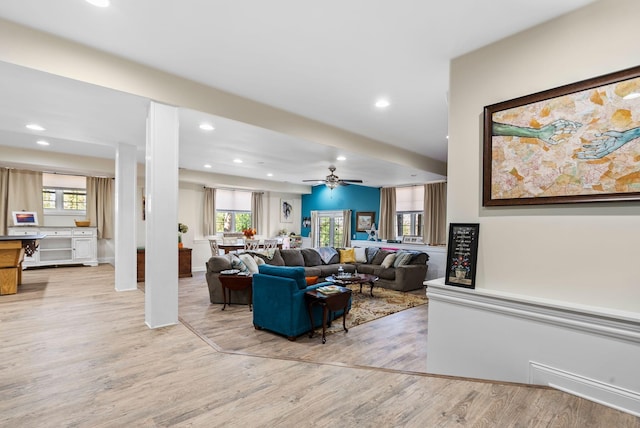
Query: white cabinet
<point x="62" y="245"/>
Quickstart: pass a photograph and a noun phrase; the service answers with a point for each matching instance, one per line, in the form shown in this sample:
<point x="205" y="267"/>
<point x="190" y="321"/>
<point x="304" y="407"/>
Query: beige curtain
<point x="257" y="211"/>
<point x="24" y="193"/>
<point x="386" y="226"/>
<point x="346" y="225"/>
<point x="4" y="193"/>
<point x="435" y="213"/>
<point x="314" y="228"/>
<point x="209" y="227"/>
<point x="100" y="205"/>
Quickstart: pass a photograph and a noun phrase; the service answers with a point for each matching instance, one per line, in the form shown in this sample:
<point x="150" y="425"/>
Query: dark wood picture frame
<point x="365" y="220"/>
<point x="575" y="143"/>
<point x="462" y="254"/>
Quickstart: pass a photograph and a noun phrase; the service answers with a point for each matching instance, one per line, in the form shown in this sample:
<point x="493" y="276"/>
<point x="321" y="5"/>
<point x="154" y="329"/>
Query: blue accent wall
<point x="352" y="197"/>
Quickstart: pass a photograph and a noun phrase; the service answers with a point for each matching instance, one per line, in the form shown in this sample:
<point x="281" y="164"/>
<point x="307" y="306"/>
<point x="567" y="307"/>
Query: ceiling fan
<point x="332" y="181"/>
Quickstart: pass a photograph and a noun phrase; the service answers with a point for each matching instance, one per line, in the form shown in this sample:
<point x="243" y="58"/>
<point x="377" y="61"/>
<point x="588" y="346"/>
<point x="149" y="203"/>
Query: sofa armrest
<point x="411" y="276"/>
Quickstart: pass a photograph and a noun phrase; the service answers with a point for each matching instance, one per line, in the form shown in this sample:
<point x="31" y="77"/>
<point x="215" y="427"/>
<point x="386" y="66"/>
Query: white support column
<point x="125" y="217"/>
<point x="161" y="190"/>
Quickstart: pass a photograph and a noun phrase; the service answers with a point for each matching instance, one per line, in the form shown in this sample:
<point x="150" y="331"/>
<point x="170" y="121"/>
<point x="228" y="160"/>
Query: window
<point x="410" y="210"/>
<point x="232" y="221"/>
<point x="233" y="210"/>
<point x="329" y="229"/>
<point x="409" y="223"/>
<point x="64" y="194"/>
<point x="64" y="200"/>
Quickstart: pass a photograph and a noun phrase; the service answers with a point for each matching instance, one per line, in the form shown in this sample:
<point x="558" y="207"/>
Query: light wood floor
<point x="76" y="353"/>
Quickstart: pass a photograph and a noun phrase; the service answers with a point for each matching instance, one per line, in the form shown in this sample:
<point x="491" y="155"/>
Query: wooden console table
<point x="184" y="263"/>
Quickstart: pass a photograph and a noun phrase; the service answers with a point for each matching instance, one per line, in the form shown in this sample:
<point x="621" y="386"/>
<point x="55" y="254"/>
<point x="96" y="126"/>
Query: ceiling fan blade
<point x="319" y="181"/>
<point x="352" y="181"/>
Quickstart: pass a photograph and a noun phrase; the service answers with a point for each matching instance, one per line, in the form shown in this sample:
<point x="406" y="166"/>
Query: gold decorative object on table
<point x="82" y="223"/>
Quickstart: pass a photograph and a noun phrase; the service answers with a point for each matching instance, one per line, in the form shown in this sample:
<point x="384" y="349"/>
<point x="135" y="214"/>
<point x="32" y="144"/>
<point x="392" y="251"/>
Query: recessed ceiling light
<point x="447" y="137"/>
<point x="34" y="127"/>
<point x="382" y="103"/>
<point x="207" y="166"/>
<point x="631" y="96"/>
<point x="341" y="158"/>
<point x="42" y="142"/>
<point x="237" y="160"/>
<point x="269" y="175"/>
<point x="99" y="3"/>
<point x="206" y="127"/>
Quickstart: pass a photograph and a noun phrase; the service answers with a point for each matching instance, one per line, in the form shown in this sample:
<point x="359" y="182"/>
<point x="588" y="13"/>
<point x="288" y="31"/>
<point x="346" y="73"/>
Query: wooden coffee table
<point x="236" y="282"/>
<point x="355" y="278"/>
<point x="330" y="303"/>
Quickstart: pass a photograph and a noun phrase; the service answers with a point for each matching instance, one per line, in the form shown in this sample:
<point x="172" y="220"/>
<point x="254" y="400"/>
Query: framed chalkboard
<point x="462" y="254"/>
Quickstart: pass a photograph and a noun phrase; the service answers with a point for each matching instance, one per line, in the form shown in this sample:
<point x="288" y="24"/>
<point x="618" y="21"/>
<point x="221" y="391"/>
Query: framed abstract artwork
<point x="286" y="211"/>
<point x="575" y="143"/>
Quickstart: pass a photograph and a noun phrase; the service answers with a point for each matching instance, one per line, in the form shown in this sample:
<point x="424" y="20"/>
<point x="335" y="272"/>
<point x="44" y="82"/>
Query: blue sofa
<point x="279" y="304"/>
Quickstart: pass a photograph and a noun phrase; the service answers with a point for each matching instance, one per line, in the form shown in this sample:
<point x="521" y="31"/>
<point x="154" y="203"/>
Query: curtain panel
<point x="100" y="201"/>
<point x="4" y="194"/>
<point x="23" y="193"/>
<point x="386" y="226"/>
<point x="257" y="211"/>
<point x="435" y="211"/>
<point x="346" y="222"/>
<point x="209" y="215"/>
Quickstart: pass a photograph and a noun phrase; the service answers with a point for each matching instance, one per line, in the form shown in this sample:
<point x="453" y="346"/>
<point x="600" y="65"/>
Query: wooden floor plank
<point x="74" y="352"/>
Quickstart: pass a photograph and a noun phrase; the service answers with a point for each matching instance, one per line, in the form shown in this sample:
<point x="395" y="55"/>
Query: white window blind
<point x="233" y="200"/>
<point x="410" y="198"/>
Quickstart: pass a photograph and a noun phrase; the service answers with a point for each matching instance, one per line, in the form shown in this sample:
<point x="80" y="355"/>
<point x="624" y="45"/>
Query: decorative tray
<point x="229" y="272"/>
<point x="343" y="276"/>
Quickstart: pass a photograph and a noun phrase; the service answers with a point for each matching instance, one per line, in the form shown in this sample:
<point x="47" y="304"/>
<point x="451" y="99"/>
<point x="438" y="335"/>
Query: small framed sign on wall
<point x="462" y="254"/>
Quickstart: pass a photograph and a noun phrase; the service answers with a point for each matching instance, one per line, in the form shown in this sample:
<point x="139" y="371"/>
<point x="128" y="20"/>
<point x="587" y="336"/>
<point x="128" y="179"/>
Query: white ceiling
<point x="327" y="61"/>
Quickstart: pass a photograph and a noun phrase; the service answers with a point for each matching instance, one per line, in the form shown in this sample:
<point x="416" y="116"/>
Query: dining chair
<point x="251" y="244"/>
<point x="270" y="244"/>
<point x="215" y="250"/>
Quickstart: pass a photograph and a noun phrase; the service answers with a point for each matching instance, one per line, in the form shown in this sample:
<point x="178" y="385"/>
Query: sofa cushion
<point x="270" y="257"/>
<point x="347" y="255"/>
<point x="295" y="273"/>
<point x="388" y="261"/>
<point x="371" y="253"/>
<point x="379" y="257"/>
<point x="313" y="270"/>
<point x="311" y="257"/>
<point x="402" y="258"/>
<point x="419" y="258"/>
<point x="361" y="254"/>
<point x="292" y="257"/>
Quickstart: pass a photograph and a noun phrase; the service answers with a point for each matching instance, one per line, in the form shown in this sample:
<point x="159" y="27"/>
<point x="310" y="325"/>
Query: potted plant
<point x="182" y="228"/>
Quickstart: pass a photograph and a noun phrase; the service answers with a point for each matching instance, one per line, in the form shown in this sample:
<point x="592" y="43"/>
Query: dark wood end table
<point x="236" y="282"/>
<point x="355" y="278"/>
<point x="330" y="303"/>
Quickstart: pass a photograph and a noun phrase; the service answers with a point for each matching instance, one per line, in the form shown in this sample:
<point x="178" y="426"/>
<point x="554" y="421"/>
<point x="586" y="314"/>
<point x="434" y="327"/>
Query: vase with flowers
<point x="249" y="233"/>
<point x="182" y="228"/>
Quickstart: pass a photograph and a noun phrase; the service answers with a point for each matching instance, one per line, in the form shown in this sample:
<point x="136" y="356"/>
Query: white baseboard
<point x="606" y="394"/>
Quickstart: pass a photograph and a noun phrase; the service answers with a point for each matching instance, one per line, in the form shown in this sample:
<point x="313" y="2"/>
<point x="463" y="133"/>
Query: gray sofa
<point x="409" y="275"/>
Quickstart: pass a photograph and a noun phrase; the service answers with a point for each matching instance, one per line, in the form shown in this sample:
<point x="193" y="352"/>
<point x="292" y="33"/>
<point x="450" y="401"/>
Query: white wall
<point x="581" y="258"/>
<point x="563" y="252"/>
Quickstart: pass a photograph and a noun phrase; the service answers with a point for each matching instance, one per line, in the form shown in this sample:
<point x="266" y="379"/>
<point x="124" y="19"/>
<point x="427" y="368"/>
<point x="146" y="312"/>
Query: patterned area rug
<point x="365" y="308"/>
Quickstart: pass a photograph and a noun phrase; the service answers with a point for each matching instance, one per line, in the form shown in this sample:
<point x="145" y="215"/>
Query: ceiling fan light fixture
<point x="332" y="184"/>
<point x="383" y="103"/>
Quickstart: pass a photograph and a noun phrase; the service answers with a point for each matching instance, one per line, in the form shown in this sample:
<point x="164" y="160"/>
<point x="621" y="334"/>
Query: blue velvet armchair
<point x="279" y="304"/>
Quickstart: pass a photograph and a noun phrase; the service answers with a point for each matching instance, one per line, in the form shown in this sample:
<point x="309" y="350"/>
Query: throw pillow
<point x="371" y="254"/>
<point x="311" y="280"/>
<point x="361" y="254"/>
<point x="402" y="258"/>
<point x="248" y="260"/>
<point x="388" y="261"/>
<point x="348" y="255"/>
<point x="236" y="263"/>
<point x="258" y="260"/>
<point x="379" y="257"/>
